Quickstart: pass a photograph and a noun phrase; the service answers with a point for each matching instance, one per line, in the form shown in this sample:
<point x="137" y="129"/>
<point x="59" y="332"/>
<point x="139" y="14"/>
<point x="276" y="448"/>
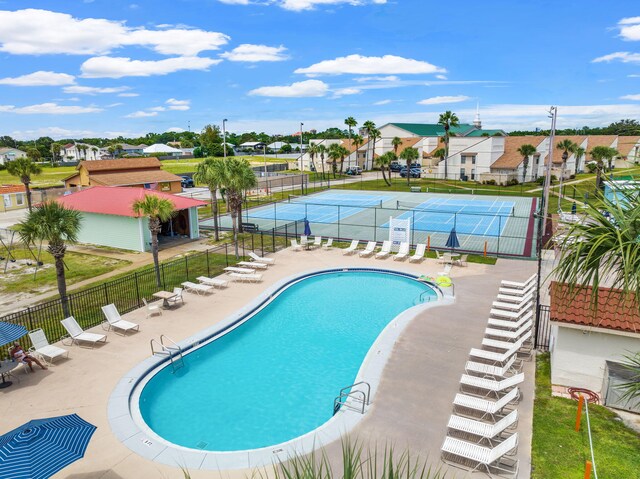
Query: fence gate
<point x="543" y="327"/>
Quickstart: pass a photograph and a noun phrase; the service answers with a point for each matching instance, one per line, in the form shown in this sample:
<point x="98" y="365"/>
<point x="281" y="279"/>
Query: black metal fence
<point x="127" y="292"/>
<point x="543" y="327"/>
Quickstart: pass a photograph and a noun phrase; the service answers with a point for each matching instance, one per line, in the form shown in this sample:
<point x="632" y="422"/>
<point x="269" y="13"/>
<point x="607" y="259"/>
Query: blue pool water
<point x="275" y="377"/>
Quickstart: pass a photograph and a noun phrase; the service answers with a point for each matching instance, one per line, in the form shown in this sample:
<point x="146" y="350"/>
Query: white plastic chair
<point x="482" y="429"/>
<point x="403" y="252"/>
<point x="418" y="255"/>
<point x="197" y="288"/>
<point x="369" y="249"/>
<point x="317" y="242"/>
<point x="466" y="405"/>
<point x="116" y="322"/>
<point x="352" y="247"/>
<point x="520" y="285"/>
<point x="458" y="452"/>
<point x="295" y="245"/>
<point x="251" y="278"/>
<point x="491" y="386"/>
<point x="385" y="250"/>
<point x="510" y="324"/>
<point x="261" y="259"/>
<point x="216" y="282"/>
<point x="152" y="308"/>
<point x="509" y="368"/>
<point x="328" y="244"/>
<point x="178" y="298"/>
<point x="79" y="336"/>
<point x="42" y="348"/>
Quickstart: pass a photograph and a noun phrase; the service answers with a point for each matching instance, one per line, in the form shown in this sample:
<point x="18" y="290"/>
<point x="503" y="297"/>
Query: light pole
<point x="301" y="163"/>
<point x="264" y="157"/>
<point x="224" y="138"/>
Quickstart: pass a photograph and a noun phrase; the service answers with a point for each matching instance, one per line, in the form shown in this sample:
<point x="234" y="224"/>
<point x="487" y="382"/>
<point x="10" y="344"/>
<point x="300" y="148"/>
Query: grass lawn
<point x="560" y="452"/>
<point x="79" y="267"/>
<point x="48" y="178"/>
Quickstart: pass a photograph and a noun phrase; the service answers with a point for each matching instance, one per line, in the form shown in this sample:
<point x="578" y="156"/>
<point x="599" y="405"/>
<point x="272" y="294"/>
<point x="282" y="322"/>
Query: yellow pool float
<point x="444" y="281"/>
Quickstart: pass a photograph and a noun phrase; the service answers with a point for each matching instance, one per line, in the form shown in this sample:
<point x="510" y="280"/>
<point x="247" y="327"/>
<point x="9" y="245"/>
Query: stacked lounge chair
<point x="480" y="432"/>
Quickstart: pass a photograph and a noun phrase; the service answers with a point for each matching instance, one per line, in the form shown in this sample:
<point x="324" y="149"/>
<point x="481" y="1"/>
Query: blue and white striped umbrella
<point x="40" y="448"/>
<point x="10" y="332"/>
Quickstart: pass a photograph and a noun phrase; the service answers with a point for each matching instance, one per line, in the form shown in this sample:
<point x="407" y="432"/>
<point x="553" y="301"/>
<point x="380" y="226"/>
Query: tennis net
<point x="353" y="203"/>
<point x="466" y="209"/>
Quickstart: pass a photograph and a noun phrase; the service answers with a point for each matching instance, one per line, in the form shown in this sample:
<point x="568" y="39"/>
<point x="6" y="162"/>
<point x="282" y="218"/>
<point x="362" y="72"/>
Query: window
<point x="473" y="160"/>
<point x="7" y="201"/>
<point x="463" y="160"/>
<point x="19" y="199"/>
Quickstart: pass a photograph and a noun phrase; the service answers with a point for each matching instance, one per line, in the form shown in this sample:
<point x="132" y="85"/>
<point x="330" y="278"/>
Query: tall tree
<point x="24" y="168"/>
<point x="369" y="126"/>
<point x="58" y="226"/>
<point x="211" y="172"/>
<point x="334" y="152"/>
<point x="357" y="142"/>
<point x="351" y="123"/>
<point x="238" y="178"/>
<point x="526" y="151"/>
<point x="157" y="210"/>
<point x="578" y="153"/>
<point x="55" y="152"/>
<point x="343" y="154"/>
<point x="34" y="154"/>
<point x="321" y="151"/>
<point x="211" y="139"/>
<point x="410" y="155"/>
<point x="567" y="146"/>
<point x="447" y="120"/>
<point x="374" y="134"/>
<point x="313" y="150"/>
<point x="383" y="161"/>
<point x="396" y="143"/>
<point x="599" y="154"/>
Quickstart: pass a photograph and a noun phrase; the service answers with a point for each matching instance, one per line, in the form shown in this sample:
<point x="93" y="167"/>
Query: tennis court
<point x="467" y="216"/>
<point x="317" y="208"/>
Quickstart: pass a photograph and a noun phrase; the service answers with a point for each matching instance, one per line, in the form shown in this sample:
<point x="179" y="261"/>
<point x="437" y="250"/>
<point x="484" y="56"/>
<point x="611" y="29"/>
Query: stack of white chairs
<point x="481" y="431"/>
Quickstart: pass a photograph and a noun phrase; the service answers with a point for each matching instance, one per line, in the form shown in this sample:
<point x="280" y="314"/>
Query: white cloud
<point x="175" y="129"/>
<point x="382" y="102"/>
<point x="128" y="95"/>
<point x="49" y="109"/>
<point x="118" y="67"/>
<point x="440" y="100"/>
<point x="307" y="88"/>
<point x="54" y="132"/>
<point x="389" y="78"/>
<point x="361" y="65"/>
<point x="624" y="57"/>
<point x="631" y="97"/>
<point x="40" y="78"/>
<point x="38" y="32"/>
<point x="90" y="90"/>
<point x="234" y="2"/>
<point x="630" y="28"/>
<point x="113" y="105"/>
<point x="256" y="53"/>
<point x="346" y="91"/>
<point x="142" y="114"/>
<point x="441" y="77"/>
<point x="182" y="105"/>
<point x="299" y="5"/>
<point x="158" y="108"/>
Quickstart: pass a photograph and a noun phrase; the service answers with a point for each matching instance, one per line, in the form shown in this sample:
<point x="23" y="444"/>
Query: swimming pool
<point x="275" y="376"/>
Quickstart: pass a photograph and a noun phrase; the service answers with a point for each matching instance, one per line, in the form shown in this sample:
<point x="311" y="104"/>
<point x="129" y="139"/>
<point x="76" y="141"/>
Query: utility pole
<point x="224" y="137"/>
<point x="301" y="164"/>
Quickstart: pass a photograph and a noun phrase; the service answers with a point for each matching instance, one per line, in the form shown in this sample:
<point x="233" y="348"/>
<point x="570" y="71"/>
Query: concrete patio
<point x="410" y="410"/>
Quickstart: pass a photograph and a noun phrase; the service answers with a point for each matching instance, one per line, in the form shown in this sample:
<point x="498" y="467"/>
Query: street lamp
<point x="224" y="137"/>
<point x="264" y="156"/>
<point x="301" y="163"/>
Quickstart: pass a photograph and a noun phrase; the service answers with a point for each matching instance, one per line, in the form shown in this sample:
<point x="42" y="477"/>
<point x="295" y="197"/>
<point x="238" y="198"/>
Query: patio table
<point x="165" y="296"/>
<point x="5" y="369"/>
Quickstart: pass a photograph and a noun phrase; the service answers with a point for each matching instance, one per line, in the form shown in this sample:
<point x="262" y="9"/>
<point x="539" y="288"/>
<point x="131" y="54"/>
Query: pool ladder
<point x="359" y="398"/>
<point x="172" y="351"/>
<point x="420" y="299"/>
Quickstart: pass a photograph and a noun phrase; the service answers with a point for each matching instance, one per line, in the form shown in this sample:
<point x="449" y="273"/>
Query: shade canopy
<point x="10" y="332"/>
<point x="452" y="241"/>
<point x="307" y="227"/>
<point x="40" y="448"/>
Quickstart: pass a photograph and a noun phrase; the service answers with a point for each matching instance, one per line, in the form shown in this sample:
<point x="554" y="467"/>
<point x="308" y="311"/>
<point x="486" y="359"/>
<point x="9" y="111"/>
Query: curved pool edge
<point x="127" y="424"/>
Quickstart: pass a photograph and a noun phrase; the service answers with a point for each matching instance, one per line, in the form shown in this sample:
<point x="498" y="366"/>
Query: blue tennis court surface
<point x="319" y="208"/>
<point x="473" y="217"/>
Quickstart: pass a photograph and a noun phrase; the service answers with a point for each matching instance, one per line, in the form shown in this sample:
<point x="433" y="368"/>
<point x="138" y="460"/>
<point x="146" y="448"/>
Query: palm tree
<point x="321" y="151"/>
<point x="351" y="123"/>
<point x="157" y="210"/>
<point x="374" y="134"/>
<point x="313" y="150"/>
<point x="396" y="143"/>
<point x="369" y="126"/>
<point x="55" y="152"/>
<point x="439" y="153"/>
<point x="24" y="168"/>
<point x="599" y="154"/>
<point x="58" y="226"/>
<point x="343" y="154"/>
<point x="238" y="177"/>
<point x="410" y="155"/>
<point x="334" y="154"/>
<point x="447" y="120"/>
<point x="211" y="173"/>
<point x="383" y="161"/>
<point x="579" y="153"/>
<point x="567" y="146"/>
<point x="112" y="151"/>
<point x="357" y="141"/>
<point x="526" y="151"/>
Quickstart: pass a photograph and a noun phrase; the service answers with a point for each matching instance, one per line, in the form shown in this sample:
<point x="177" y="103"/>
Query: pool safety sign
<point x="399" y="232"/>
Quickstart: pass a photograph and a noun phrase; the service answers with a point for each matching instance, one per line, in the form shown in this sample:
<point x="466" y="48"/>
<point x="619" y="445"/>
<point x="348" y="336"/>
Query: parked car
<point x="187" y="182"/>
<point x="395" y="166"/>
<point x="353" y="170"/>
<point x="413" y="172"/>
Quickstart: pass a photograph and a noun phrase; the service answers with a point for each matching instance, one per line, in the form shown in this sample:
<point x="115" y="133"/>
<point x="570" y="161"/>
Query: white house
<point x="511" y="164"/>
<point x="10" y="154"/>
<point x="587" y="348"/>
<point x="162" y="150"/>
<point x="80" y="151"/>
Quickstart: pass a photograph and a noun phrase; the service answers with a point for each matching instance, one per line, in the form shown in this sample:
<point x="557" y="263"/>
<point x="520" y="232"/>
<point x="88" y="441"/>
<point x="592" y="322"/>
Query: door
<point x="615" y="375"/>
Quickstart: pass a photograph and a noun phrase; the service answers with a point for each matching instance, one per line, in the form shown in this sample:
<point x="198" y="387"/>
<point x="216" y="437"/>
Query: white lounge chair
<point x="506" y="345"/>
<point x="253" y="264"/>
<point x="496" y="358"/>
<point x="328" y="244"/>
<point x="510" y="324"/>
<point x="317" y="242"/>
<point x="115" y="320"/>
<point x="235" y="269"/>
<point x="506" y="335"/>
<point x="458" y="453"/>
<point x="352" y="247"/>
<point x="491" y="386"/>
<point x="216" y="282"/>
<point x="418" y="255"/>
<point x="178" y="298"/>
<point x="520" y="285"/>
<point x="261" y="259"/>
<point x="197" y="287"/>
<point x="512" y="366"/>
<point x="385" y="250"/>
<point x="251" y="278"/>
<point x="517" y="292"/>
<point x="402" y="253"/>
<point x="152" y="308"/>
<point x="510" y="298"/>
<point x="78" y="335"/>
<point x="472" y="406"/>
<point x="490" y="432"/>
<point x="526" y="302"/>
<point x="42" y="348"/>
<point x="369" y="250"/>
<point x="295" y="245"/>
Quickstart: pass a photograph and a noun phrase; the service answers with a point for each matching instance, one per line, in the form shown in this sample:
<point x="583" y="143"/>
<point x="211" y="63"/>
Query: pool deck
<point x="410" y="409"/>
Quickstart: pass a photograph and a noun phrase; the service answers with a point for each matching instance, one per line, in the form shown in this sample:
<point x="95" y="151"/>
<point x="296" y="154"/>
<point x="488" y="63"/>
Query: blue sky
<point x="109" y="67"/>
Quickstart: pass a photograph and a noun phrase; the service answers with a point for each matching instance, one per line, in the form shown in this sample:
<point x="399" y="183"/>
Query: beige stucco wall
<point x="578" y="356"/>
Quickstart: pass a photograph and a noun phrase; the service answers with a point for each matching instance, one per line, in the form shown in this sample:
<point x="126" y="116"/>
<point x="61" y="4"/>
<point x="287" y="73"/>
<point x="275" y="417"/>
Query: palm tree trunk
<point x="598" y="176"/>
<point x="446" y="155"/>
<point x="384" y="176"/>
<point x="62" y="285"/>
<point x="240" y="229"/>
<point x="154" y="253"/>
<point x="28" y="193"/>
<point x="214" y="211"/>
<point x="234" y="225"/>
